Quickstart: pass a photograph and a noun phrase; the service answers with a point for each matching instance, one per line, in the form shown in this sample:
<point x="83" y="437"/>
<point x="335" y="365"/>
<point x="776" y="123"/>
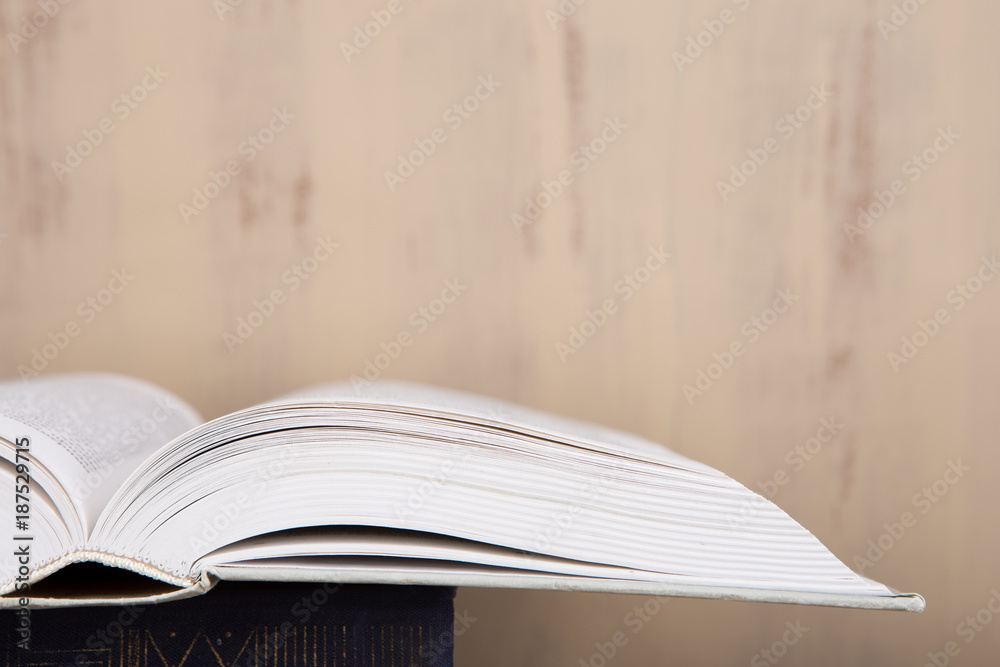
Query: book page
<point x="393" y="394"/>
<point x="91" y="430"/>
<point x="569" y="498"/>
<point x="361" y="541"/>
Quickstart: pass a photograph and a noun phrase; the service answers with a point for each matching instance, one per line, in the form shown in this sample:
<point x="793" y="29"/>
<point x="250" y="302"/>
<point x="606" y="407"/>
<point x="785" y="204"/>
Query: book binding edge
<point x="185" y="587"/>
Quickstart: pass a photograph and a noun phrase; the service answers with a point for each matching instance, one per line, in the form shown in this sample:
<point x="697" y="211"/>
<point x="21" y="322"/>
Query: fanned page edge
<point x="199" y="581"/>
<point x="912" y="602"/>
<point x="436" y="401"/>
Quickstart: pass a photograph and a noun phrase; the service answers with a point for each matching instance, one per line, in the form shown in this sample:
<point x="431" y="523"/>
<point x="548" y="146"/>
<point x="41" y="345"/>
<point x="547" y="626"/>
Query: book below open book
<point x="387" y="483"/>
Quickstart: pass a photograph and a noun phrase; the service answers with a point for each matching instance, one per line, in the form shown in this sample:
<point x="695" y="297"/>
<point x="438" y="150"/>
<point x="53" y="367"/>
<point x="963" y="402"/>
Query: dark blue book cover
<point x="247" y="625"/>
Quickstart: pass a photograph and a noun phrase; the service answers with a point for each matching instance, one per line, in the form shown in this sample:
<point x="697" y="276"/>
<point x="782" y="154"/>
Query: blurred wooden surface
<point x="222" y="77"/>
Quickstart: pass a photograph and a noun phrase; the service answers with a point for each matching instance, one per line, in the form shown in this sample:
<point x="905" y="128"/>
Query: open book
<point x="386" y="483"/>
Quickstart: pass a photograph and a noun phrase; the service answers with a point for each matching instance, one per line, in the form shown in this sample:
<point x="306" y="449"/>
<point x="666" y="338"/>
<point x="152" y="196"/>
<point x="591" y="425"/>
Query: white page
<point x="676" y="526"/>
<point x="436" y="400"/>
<point x="329" y="457"/>
<point x="91" y="430"/>
<point x="358" y="541"/>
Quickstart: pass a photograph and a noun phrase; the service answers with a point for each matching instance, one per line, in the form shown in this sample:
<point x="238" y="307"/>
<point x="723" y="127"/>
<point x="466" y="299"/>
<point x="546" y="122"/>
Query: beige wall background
<point x="227" y="65"/>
